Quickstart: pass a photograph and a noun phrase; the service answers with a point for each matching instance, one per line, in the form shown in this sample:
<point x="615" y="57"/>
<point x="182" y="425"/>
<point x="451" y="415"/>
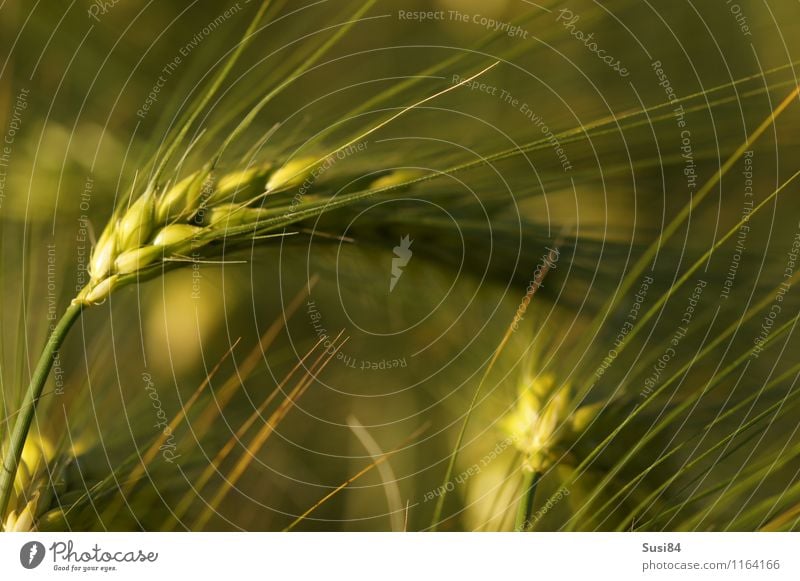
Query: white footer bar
<point x="416" y="556"/>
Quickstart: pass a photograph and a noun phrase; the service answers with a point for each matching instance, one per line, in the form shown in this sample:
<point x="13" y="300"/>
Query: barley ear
<point x="182" y="200"/>
<point x="293" y="173"/>
<point x="241" y="185"/>
<point x="395" y="178"/>
<point x="175" y="234"/>
<point x="134" y="260"/>
<point x="99" y="292"/>
<point x="103" y="255"/>
<point x="137" y="222"/>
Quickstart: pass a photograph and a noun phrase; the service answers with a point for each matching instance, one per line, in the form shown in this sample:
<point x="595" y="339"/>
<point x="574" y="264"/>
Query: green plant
<point x="696" y="447"/>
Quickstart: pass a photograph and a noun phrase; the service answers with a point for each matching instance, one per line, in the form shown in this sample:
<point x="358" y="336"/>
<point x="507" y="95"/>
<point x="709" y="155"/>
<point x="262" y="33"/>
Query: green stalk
<point x="25" y="414"/>
<point x="525" y="511"/>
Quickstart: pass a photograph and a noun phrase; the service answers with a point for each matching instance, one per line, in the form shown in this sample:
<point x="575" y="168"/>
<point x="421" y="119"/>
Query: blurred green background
<point x="415" y="355"/>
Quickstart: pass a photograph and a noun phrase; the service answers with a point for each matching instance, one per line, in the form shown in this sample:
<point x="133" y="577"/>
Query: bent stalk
<point x="25" y="414"/>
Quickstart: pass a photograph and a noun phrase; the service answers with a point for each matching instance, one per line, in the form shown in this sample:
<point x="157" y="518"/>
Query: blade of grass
<point x="724" y="442"/>
<point x="356" y="476"/>
<point x="215" y="85"/>
<point x="651" y="312"/>
<point x="730" y="331"/>
<point x="393" y="499"/>
<point x="219" y="401"/>
<point x="150" y="455"/>
<point x="260" y="438"/>
<point x="236" y="438"/>
<point x="617" y="498"/>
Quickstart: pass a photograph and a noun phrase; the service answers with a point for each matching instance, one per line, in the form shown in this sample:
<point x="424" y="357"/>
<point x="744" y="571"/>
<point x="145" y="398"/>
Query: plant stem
<point x="437" y="512"/>
<point x="25" y="414"/>
<point x="525" y="511"/>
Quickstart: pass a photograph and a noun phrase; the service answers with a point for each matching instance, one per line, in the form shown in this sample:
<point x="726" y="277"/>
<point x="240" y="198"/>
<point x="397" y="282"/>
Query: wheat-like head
<point x="543" y="419"/>
<point x="170" y="223"/>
